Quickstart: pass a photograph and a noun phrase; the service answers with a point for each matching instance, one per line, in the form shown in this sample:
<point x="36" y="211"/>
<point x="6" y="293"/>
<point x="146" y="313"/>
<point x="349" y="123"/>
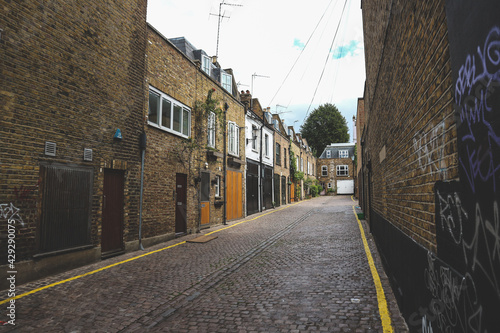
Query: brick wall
<point x="171" y="72"/>
<point x="411" y="133"/>
<point x="72" y="73"/>
<point x="283" y="167"/>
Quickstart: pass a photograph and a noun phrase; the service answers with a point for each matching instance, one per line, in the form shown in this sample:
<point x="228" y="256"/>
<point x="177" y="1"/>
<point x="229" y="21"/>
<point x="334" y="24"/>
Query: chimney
<point x="245" y="98"/>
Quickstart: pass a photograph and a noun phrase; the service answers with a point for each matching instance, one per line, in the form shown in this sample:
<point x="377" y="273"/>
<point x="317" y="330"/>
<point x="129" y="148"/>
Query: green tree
<point x="324" y="125"/>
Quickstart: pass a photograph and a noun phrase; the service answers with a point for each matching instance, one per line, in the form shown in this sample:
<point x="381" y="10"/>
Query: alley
<point x="297" y="268"/>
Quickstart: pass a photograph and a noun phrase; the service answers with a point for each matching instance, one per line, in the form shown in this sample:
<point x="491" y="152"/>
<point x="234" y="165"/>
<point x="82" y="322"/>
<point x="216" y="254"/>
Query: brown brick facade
<point x="72" y="74"/>
<point x="175" y="75"/>
<point x="411" y="132"/>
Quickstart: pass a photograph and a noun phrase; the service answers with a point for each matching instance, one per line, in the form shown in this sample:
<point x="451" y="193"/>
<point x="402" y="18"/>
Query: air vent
<point x="87" y="154"/>
<point x="50" y="148"/>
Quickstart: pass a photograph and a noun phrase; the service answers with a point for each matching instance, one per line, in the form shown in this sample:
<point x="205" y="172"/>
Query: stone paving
<point x="297" y="268"/>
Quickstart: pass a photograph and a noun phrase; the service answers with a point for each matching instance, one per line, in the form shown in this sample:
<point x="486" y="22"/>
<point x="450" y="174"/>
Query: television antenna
<point x="254" y="75"/>
<point x="281" y="106"/>
<point x="220" y="17"/>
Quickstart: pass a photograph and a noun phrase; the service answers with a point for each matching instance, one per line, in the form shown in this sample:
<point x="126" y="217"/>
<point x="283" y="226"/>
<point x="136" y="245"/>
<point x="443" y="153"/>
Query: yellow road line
<point x="382" y="302"/>
<point x="129" y="260"/>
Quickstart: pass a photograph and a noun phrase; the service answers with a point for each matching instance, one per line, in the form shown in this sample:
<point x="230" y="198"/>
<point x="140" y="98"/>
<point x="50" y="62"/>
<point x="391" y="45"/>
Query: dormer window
<point x="328" y="154"/>
<point x="227" y="81"/>
<point x="205" y="64"/>
<point x="343" y="153"/>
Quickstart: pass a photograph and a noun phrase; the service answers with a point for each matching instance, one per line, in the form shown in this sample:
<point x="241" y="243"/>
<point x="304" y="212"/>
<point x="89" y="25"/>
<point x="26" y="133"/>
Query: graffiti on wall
<point x="429" y="147"/>
<point x="476" y="99"/>
<point x="463" y="278"/>
<point x="10" y="212"/>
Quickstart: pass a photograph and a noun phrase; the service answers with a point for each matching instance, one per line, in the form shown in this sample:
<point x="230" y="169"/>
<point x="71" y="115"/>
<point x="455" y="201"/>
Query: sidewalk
<point x="297" y="268"/>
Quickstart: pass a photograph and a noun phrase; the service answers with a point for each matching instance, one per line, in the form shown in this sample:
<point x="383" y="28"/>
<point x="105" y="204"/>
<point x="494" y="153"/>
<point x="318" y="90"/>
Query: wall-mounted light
<point x="254" y="135"/>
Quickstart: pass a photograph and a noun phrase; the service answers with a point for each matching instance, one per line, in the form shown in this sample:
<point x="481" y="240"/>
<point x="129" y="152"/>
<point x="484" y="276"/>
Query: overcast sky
<point x="266" y="37"/>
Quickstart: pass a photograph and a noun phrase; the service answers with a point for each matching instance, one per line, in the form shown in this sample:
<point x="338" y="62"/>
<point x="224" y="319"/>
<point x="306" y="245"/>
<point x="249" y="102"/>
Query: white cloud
<point x="265" y="38"/>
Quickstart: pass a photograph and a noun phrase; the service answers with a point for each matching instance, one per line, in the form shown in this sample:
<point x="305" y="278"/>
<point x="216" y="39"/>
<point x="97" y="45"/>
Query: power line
<point x="326" y="61"/>
<point x="300" y="54"/>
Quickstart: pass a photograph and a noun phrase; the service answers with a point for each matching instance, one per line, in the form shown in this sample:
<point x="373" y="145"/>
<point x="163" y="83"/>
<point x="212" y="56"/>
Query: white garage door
<point x="345" y="186"/>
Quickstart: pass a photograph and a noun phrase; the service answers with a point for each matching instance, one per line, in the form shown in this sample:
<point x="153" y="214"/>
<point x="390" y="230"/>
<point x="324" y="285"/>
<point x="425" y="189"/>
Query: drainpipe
<point x="142" y="146"/>
<point x="224" y="218"/>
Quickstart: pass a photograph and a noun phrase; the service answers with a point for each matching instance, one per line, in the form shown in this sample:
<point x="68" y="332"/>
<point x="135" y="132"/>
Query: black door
<point x="181" y="203"/>
<point x="252" y="188"/>
<point x="277" y="183"/>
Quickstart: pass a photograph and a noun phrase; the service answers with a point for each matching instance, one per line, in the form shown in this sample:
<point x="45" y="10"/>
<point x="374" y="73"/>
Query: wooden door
<point x="181" y="203"/>
<point x="205" y="198"/>
<point x="234" y="195"/>
<point x="112" y="212"/>
<point x="292" y="192"/>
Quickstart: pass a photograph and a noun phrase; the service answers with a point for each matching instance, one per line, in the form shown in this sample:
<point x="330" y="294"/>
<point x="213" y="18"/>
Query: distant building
<point x="335" y="168"/>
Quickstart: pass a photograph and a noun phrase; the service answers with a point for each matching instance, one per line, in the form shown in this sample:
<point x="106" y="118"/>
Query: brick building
<point x="195" y="147"/>
<point x="72" y="95"/>
<point x="259" y="146"/>
<point x="281" y="161"/>
<point x="359" y="126"/>
<point x="430" y="149"/>
<point x="336" y="168"/>
<point x="302" y="166"/>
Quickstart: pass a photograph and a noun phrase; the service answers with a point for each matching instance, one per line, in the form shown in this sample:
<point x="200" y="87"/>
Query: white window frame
<point x="226" y="81"/>
<point x="343" y="153"/>
<point x="185" y="111"/>
<point x="324" y="171"/>
<point x="211" y="130"/>
<point x="217" y="186"/>
<point x="329" y="185"/>
<point x="342" y="171"/>
<point x="233" y="139"/>
<point x="328" y="154"/>
<point x="206" y="64"/>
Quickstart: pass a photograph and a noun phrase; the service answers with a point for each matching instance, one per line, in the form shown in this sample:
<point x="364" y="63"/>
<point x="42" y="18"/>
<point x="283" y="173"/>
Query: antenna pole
<point x="220" y="17"/>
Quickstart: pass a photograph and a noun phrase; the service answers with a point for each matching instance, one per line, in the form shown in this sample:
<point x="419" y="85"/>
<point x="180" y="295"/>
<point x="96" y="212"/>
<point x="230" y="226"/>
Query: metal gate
<point x="66" y="208"/>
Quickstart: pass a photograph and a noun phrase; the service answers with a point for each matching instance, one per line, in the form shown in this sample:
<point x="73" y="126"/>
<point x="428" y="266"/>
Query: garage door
<point x="345" y="186"/>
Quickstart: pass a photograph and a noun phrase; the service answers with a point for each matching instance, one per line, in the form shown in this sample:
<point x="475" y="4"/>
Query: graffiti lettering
<point x="450" y="214"/>
<point x="478" y="79"/>
<point x="455" y="305"/>
<point x="486" y="237"/>
<point x="10" y="212"/>
<point x="429" y="148"/>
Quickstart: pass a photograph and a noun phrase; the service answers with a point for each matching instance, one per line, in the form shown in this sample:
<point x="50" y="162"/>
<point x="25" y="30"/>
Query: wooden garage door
<point x="234" y="195"/>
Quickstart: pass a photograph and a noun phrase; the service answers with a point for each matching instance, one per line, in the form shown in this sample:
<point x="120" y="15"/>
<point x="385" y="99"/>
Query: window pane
<point x="227" y="81"/>
<point x="185" y="122"/>
<point x="177" y="118"/>
<point x="166" y="109"/>
<point x="154" y="103"/>
<point x="211" y="129"/>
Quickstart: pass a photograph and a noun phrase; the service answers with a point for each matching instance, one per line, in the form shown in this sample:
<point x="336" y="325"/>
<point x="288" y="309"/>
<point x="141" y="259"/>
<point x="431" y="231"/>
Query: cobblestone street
<point x="297" y="268"/>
